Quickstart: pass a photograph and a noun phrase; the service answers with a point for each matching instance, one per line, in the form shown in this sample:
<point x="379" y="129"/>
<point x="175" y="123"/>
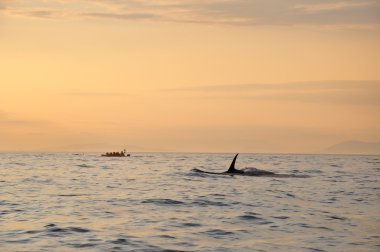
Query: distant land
<point x="355" y="147"/>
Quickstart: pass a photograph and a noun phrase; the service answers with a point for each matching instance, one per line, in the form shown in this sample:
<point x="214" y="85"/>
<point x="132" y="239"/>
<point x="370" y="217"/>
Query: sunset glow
<point x="190" y="75"/>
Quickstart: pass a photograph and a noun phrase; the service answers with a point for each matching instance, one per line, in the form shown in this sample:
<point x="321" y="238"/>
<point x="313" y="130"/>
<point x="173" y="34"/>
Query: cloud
<point x="356" y="14"/>
<point x="19" y="122"/>
<point x="132" y="16"/>
<point x="11" y="120"/>
<point x="8" y="120"/>
<point x="317" y="7"/>
<point x="44" y="14"/>
<point x="98" y="94"/>
<point x="331" y="92"/>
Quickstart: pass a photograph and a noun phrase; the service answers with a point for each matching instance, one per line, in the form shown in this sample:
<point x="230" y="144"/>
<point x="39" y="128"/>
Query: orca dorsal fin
<point x="232" y="166"/>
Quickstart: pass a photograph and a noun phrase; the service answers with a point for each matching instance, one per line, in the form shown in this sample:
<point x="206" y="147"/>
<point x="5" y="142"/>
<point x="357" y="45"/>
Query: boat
<point x="116" y="154"/>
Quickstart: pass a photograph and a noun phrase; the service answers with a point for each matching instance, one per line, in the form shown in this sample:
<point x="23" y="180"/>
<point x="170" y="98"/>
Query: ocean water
<point x="155" y="202"/>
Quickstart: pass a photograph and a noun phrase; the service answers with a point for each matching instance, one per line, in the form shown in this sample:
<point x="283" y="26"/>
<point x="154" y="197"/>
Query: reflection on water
<point x="155" y="202"/>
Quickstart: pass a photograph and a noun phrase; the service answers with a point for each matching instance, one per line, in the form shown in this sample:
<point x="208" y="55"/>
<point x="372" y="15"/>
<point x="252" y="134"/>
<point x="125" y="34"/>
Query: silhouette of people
<point x="116" y="154"/>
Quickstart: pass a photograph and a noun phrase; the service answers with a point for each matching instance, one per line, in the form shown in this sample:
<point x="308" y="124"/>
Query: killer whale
<point x="249" y="172"/>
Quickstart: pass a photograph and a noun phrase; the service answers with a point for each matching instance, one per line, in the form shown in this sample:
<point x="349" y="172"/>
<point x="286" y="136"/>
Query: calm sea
<point x="155" y="202"/>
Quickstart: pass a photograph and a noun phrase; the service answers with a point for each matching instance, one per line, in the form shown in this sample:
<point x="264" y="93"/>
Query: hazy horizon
<point x="189" y="76"/>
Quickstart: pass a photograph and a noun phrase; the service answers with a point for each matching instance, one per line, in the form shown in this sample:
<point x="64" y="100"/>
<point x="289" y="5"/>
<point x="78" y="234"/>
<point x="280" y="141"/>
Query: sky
<point x="188" y="75"/>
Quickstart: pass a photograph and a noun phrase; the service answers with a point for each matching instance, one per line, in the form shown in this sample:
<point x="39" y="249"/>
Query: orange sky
<point x="167" y="75"/>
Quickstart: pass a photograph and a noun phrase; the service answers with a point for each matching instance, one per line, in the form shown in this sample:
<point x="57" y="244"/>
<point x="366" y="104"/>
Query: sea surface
<point x="155" y="202"/>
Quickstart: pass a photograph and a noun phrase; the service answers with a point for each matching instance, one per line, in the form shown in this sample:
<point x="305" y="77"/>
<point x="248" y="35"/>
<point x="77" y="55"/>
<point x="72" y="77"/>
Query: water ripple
<point x="217" y="233"/>
<point x="163" y="202"/>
